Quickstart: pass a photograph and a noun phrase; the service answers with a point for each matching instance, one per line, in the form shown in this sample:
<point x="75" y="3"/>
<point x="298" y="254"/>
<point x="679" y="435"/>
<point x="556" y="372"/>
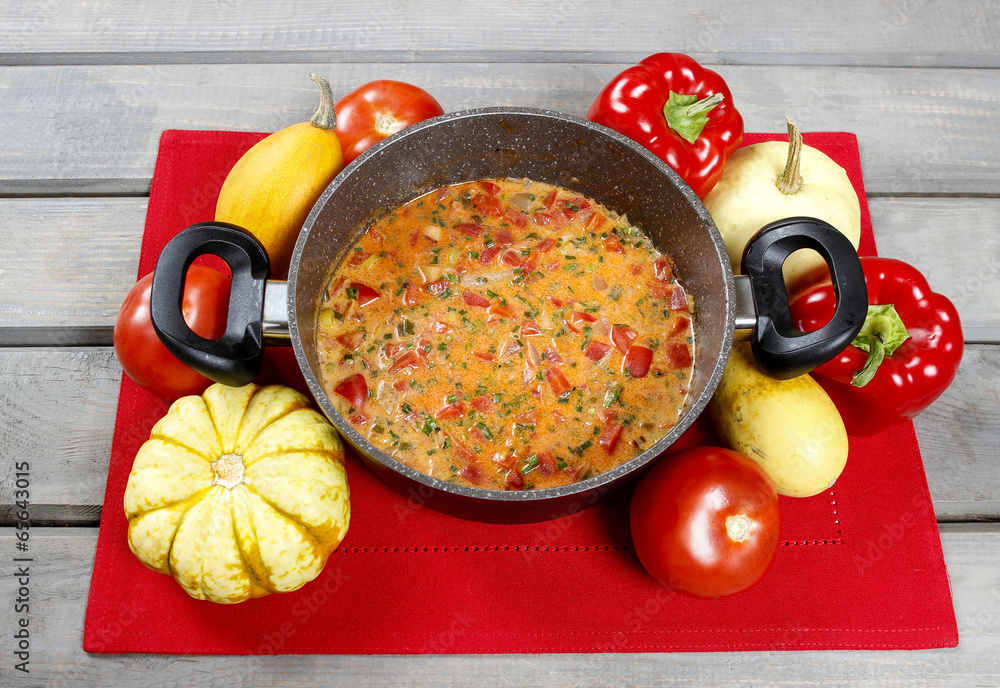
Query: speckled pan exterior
<point x="516" y="142"/>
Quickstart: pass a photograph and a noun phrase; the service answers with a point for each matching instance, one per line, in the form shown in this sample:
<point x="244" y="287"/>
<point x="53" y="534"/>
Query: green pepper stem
<point x="876" y="354"/>
<point x="687" y="115"/>
<point x="880" y="336"/>
<point x="326" y="114"/>
<point x="705" y="104"/>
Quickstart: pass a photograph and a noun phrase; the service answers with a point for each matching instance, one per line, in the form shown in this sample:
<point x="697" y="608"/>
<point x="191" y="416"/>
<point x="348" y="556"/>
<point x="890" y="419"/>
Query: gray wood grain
<point x="63" y="559"/>
<point x="954" y="242"/>
<point x="814" y="32"/>
<point x="95" y="129"/>
<point x="61" y="416"/>
<point x="58" y="415"/>
<point x="67" y="262"/>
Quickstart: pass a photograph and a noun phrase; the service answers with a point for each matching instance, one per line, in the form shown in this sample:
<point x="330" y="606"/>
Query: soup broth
<point x="507" y="334"/>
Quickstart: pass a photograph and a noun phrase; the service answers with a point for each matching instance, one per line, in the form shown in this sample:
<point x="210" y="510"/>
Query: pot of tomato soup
<point x="509" y="312"/>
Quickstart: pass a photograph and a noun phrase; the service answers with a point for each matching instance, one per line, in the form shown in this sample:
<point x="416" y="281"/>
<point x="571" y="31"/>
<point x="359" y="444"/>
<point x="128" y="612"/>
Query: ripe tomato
<point x="705" y="522"/>
<point x="139" y="350"/>
<point x="371" y="112"/>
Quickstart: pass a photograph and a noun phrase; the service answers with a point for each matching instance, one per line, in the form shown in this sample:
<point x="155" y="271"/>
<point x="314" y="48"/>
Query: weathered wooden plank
<point x="63" y="560"/>
<point x="958" y="440"/>
<point x="716" y="31"/>
<point x="51" y="288"/>
<point x="95" y="129"/>
<point x="67" y="262"/>
<point x="59" y="415"/>
<point x="954" y="242"/>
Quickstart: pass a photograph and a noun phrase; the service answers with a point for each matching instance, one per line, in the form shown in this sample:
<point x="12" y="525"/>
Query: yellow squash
<point x="791" y="428"/>
<point x="773" y="180"/>
<point x="238" y="493"/>
<point x="272" y="188"/>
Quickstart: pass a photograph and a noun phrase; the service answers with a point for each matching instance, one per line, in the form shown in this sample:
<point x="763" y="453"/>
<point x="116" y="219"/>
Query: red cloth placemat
<point x="861" y="565"/>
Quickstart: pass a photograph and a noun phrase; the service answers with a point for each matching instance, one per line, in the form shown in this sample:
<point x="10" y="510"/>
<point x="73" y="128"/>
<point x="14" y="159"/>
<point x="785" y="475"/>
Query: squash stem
<point x="790" y="180"/>
<point x="326" y="114"/>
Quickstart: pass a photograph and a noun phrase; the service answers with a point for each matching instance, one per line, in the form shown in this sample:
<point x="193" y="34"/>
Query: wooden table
<point x="86" y="89"/>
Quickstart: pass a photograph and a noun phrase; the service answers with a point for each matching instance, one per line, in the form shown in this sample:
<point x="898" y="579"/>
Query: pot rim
<point x="598" y="483"/>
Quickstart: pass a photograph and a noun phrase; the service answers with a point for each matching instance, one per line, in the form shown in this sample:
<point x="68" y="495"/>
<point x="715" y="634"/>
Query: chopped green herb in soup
<point x="507" y="335"/>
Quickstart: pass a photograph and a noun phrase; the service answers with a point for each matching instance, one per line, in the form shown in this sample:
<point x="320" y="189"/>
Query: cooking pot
<point x="518" y="143"/>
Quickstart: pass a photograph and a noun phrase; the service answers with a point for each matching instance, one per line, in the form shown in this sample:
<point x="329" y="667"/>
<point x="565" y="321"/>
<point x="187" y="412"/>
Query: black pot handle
<point x="781" y="350"/>
<point x="237" y="357"/>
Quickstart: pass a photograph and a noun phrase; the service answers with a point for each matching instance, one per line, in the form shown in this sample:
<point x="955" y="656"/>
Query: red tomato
<point x="407" y="360"/>
<point x="488" y="205"/>
<point x="560" y="385"/>
<point x="363" y="293"/>
<point x="511" y="258"/>
<point x="546" y="245"/>
<point x="437" y="288"/>
<point x="678" y="299"/>
<point x="139" y="350"/>
<point x="516" y="217"/>
<point x="596" y="350"/>
<point x="678" y="355"/>
<point x="622" y="337"/>
<point x="377" y="109"/>
<point x="354" y="389"/>
<point x="502" y="237"/>
<point x="471" y="298"/>
<point x="489" y="253"/>
<point x="456" y="410"/>
<point x="613" y="244"/>
<point x="481" y="404"/>
<point x="529" y="328"/>
<point x="514" y="480"/>
<point x="577" y="320"/>
<point x="705" y="522"/>
<point x="637" y="360"/>
<point x="351" y="340"/>
<point x="611" y="432"/>
<point x="663" y="269"/>
<point x="544" y="220"/>
<point x="547" y="463"/>
<point x="497" y="311"/>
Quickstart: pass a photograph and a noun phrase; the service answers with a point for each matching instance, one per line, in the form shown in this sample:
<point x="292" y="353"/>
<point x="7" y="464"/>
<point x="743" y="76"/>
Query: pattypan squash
<point x="238" y="493"/>
<point x="773" y="180"/>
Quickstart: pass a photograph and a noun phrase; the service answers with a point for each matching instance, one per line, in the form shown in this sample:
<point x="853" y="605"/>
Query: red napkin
<point x="860" y="565"/>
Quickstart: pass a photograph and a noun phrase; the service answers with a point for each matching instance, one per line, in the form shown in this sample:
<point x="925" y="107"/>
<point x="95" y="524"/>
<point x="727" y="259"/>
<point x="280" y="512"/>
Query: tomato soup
<point x="507" y="334"/>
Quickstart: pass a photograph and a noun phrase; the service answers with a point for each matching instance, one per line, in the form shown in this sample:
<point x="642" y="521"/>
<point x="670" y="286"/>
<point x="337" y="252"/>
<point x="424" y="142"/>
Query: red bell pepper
<point x="906" y="355"/>
<point x="679" y="110"/>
